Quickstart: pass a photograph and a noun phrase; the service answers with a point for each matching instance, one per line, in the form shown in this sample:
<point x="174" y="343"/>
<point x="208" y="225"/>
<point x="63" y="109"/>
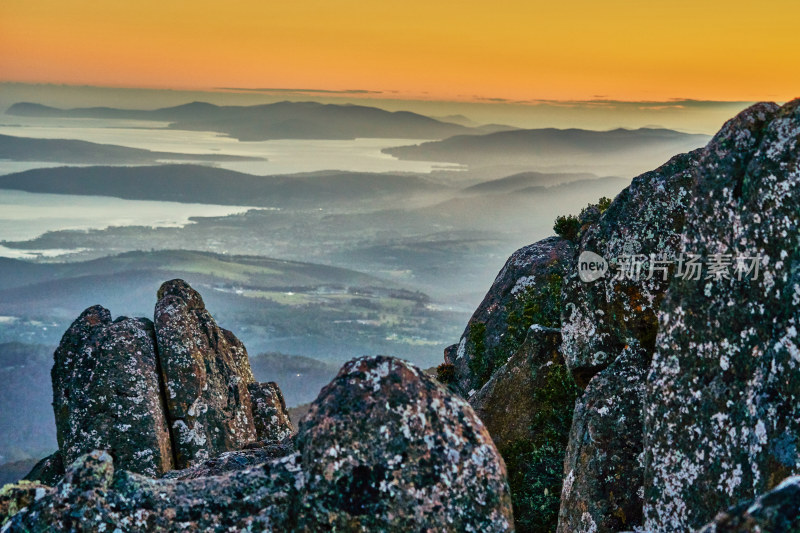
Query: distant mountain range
<point x="210" y="185"/>
<point x="84" y="152"/>
<point x="631" y="151"/>
<point x="282" y="120"/>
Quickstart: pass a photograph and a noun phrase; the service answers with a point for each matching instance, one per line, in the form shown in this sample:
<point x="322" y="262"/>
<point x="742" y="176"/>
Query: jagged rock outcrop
<point x="106" y="393"/>
<point x="777" y="511"/>
<point x="270" y="417"/>
<point x="384" y="447"/>
<point x="723" y="392"/>
<point x="603" y="474"/>
<point x="706" y="429"/>
<point x="688" y="354"/>
<point x="119" y="386"/>
<point x="206" y="374"/>
<point x="524" y="293"/>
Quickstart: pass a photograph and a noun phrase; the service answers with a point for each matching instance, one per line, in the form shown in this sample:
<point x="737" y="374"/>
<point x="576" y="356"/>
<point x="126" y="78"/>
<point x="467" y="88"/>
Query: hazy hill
<point x="281" y="120"/>
<point x="631" y="151"/>
<point x="204" y="184"/>
<point x="72" y="151"/>
<point x="244" y="271"/>
<point x="273" y="305"/>
<point x="524" y="180"/>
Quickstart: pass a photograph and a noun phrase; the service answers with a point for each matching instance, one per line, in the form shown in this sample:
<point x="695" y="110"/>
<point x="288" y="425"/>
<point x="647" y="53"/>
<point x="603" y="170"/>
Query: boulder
<point x="603" y="475"/>
<point x="206" y="375"/>
<point x="106" y="393"/>
<point x="723" y="392"/>
<point x="387" y="448"/>
<point x="270" y="417"/>
<point x="18" y="496"/>
<point x="525" y="292"/>
<point x="520" y="378"/>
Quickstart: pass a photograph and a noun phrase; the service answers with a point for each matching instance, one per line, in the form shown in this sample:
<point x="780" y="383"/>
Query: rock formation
<point x="721" y="383"/>
<point x="157" y="397"/>
<point x="106" y="393"/>
<point x="384" y="448"/>
<point x="206" y="374"/>
<point x="686" y="348"/>
<point x="270" y="417"/>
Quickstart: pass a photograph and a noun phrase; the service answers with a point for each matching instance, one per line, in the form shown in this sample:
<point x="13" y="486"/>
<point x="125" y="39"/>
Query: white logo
<point x="591" y="267"/>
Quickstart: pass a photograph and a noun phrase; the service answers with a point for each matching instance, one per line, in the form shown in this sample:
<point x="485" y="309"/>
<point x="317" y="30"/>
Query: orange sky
<point x="448" y="50"/>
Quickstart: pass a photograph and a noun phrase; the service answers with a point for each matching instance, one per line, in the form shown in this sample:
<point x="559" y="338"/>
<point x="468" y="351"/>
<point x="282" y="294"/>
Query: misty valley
<point x="317" y="233"/>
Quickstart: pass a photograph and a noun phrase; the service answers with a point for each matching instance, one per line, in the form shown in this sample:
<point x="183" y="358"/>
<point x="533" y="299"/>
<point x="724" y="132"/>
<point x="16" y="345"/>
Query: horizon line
<point x="371" y="94"/>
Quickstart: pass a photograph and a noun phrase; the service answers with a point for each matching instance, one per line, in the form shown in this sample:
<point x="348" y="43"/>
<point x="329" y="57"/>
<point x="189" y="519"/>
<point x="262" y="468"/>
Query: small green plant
<point x="603" y="203"/>
<point x="567" y="227"/>
<point x="570" y="226"/>
<point x="478" y="363"/>
<point x="542" y="305"/>
<point x="446" y="373"/>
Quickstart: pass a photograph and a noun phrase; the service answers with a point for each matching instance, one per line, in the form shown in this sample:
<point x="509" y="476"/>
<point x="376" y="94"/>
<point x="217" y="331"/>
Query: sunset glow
<point x="466" y="50"/>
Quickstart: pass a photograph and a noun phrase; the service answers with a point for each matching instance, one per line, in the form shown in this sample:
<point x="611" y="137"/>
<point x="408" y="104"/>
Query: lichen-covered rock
<point x="18" y="496"/>
<point x="527" y="408"/>
<point x="386" y="448"/>
<point x="525" y="292"/>
<point x="106" y="393"/>
<point x="723" y="394"/>
<point x="93" y="498"/>
<point x="600" y="318"/>
<point x="603" y="473"/>
<point x="206" y="374"/>
<point x="777" y="511"/>
<point x="76" y="503"/>
<point x="270" y="417"/>
<point x="48" y="471"/>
